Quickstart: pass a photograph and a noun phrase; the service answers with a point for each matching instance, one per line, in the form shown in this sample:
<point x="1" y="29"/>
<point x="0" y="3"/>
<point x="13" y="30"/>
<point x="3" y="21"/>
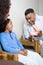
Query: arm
<point x="10" y="49"/>
<point x="18" y="42"/>
<point x="39" y="33"/>
<point x="26" y="32"/>
<point x="7" y="48"/>
<point x="37" y="30"/>
<point x="22" y="50"/>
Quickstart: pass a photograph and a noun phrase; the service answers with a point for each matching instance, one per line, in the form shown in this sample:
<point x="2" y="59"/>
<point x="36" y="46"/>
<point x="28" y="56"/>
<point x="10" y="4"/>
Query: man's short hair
<point x="28" y="11"/>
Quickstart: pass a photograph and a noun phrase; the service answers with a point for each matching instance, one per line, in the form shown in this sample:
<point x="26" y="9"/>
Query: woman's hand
<point x="23" y="52"/>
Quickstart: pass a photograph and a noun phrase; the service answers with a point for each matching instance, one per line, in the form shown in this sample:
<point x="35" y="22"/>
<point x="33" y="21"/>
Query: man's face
<point x="30" y="18"/>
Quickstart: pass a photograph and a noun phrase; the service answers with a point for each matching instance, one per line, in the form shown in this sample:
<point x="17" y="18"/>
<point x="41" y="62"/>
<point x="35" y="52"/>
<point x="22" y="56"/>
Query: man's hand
<point x="32" y="35"/>
<point x="23" y="52"/>
<point x="40" y="33"/>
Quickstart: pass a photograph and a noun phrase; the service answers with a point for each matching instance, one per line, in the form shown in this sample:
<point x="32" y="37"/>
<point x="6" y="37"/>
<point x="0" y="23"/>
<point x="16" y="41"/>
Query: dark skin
<point x="31" y="19"/>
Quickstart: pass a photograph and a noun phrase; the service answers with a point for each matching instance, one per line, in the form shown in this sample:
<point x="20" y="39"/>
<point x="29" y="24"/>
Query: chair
<point x="35" y="44"/>
<point x="7" y="56"/>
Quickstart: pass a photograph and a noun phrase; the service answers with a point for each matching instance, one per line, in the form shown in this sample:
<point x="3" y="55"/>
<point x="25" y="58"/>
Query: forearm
<point x="11" y="50"/>
<point x="39" y="33"/>
<point x="33" y="34"/>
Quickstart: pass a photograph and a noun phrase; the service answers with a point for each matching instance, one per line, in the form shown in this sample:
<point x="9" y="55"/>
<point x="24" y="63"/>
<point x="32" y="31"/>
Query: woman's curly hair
<point x="4" y="7"/>
<point x="3" y="25"/>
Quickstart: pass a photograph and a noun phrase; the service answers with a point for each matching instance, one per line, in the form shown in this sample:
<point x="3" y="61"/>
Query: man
<point x="34" y="25"/>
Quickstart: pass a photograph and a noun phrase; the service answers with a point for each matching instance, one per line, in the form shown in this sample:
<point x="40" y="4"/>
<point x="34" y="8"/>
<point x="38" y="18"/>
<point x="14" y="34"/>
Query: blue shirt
<point x="10" y="42"/>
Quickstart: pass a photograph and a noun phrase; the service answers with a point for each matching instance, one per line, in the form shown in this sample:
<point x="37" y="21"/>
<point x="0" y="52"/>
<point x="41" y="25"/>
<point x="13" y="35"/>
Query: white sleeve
<point x="41" y="23"/>
<point x="41" y="20"/>
<point x="26" y="32"/>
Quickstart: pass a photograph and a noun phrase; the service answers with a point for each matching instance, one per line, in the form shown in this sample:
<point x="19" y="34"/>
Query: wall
<point x="41" y="7"/>
<point x="18" y="8"/>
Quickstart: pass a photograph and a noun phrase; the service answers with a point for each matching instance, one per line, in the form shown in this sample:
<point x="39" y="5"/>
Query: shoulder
<point x="26" y="24"/>
<point x="2" y="34"/>
<point x="38" y="17"/>
<point x="13" y="34"/>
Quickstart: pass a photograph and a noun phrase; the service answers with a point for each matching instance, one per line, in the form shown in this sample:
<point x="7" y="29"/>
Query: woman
<point x="11" y="44"/>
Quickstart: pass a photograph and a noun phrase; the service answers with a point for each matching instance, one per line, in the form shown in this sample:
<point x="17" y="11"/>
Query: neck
<point x="6" y="31"/>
